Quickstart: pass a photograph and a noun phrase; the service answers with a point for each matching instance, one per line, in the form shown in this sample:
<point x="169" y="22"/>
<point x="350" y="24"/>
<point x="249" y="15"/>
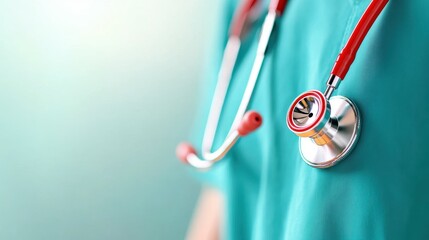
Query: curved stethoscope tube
<point x="329" y="127"/>
<point x="244" y="123"/>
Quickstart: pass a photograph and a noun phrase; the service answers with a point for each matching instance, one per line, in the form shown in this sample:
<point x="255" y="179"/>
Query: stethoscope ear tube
<point x="245" y="121"/>
<point x="185" y="151"/>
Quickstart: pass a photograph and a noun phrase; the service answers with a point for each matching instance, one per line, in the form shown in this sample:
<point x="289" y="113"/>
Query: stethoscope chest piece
<point x="328" y="129"/>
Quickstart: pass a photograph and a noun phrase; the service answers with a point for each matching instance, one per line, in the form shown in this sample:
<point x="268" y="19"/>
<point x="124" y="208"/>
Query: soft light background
<point x="94" y="96"/>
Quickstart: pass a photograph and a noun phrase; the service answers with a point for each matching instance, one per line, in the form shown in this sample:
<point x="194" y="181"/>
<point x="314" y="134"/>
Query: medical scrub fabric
<point x="380" y="191"/>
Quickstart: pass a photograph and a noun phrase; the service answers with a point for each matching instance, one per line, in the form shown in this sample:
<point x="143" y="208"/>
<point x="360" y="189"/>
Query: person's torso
<point x="379" y="191"/>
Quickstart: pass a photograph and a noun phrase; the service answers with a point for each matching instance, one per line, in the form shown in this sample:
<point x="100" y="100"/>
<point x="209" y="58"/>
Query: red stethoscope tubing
<point x="241" y="17"/>
<point x="278" y="6"/>
<point x="348" y="53"/>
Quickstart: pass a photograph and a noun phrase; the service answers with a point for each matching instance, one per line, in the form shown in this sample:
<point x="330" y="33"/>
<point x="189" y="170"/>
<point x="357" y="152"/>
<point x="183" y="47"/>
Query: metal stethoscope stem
<point x="244" y="122"/>
<point x="329" y="127"/>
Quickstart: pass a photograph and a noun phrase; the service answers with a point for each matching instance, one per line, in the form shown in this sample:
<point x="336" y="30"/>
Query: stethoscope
<point x="328" y="127"/>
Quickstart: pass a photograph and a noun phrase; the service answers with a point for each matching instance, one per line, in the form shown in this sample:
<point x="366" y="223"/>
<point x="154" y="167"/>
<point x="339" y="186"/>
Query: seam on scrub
<point x="355" y="2"/>
<point x="349" y="26"/>
<point x="346" y="32"/>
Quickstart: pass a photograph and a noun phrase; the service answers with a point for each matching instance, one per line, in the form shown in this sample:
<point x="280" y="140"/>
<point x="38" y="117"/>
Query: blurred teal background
<point x="94" y="97"/>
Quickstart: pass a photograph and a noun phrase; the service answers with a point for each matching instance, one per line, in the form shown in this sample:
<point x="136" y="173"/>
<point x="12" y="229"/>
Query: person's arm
<point x="208" y="216"/>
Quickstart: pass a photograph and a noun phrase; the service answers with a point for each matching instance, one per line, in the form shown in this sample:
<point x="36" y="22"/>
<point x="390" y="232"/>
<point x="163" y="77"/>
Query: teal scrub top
<point x="380" y="191"/>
